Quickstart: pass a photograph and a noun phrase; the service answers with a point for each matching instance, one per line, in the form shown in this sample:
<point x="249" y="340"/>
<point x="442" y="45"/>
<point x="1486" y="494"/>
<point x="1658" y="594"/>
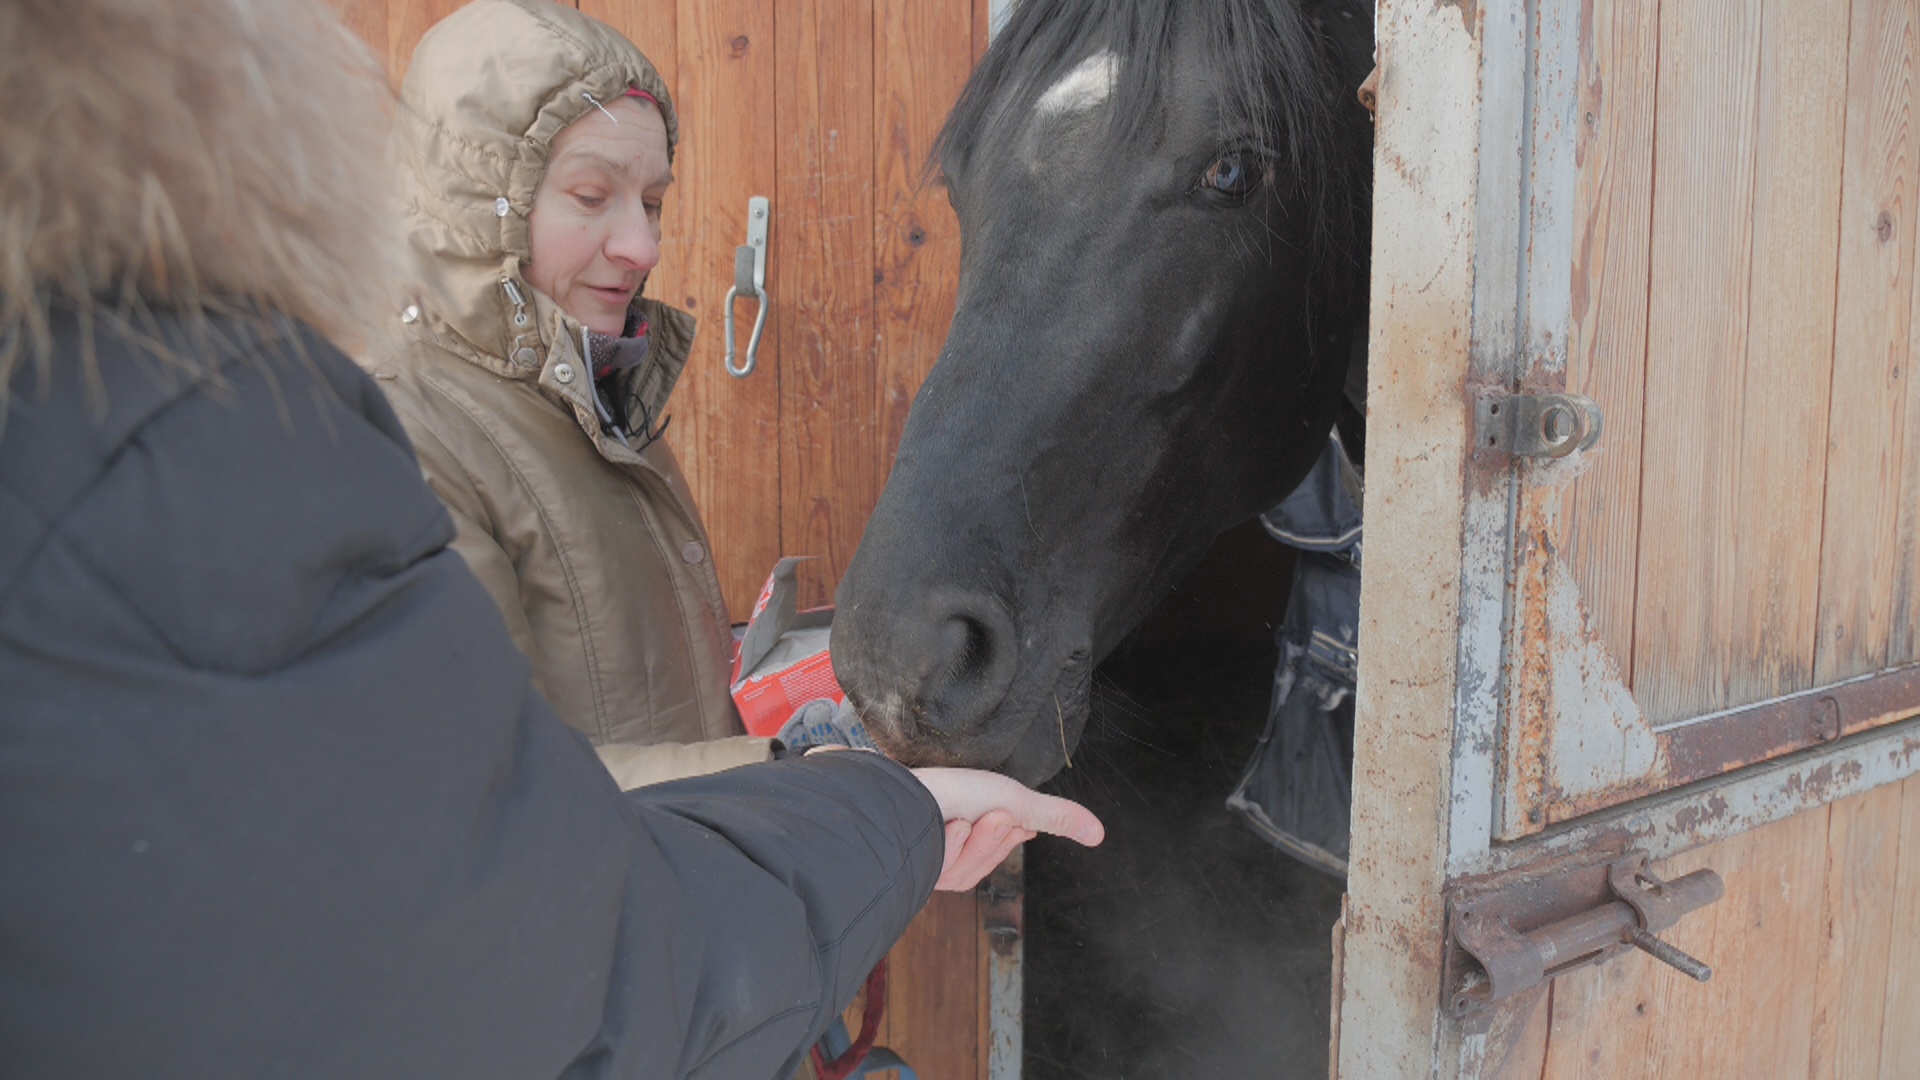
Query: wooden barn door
<point x="827" y="108"/>
<point x="1690" y="225"/>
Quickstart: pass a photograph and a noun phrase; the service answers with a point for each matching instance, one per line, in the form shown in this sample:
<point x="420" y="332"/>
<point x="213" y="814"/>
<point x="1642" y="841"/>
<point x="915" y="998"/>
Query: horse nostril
<point x="969" y="645"/>
<point x="972" y="671"/>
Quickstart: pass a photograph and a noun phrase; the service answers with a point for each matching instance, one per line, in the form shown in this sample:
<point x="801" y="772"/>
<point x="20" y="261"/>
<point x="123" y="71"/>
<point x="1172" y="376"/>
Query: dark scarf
<point x="615" y="360"/>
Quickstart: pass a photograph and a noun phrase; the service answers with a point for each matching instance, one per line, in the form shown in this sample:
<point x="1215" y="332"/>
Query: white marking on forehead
<point x="1086" y="87"/>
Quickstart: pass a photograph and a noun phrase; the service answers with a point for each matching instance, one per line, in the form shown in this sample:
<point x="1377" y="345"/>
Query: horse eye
<point x="1236" y="174"/>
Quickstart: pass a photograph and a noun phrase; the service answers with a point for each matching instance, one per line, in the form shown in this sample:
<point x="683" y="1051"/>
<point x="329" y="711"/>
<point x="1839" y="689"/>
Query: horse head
<point x="1162" y="258"/>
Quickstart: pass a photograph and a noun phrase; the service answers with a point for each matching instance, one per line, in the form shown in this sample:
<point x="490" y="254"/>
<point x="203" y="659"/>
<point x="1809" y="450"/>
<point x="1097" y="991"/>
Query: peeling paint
<point x="1600" y="739"/>
<point x="1694" y="818"/>
<point x="1667" y="824"/>
<point x="1469" y="11"/>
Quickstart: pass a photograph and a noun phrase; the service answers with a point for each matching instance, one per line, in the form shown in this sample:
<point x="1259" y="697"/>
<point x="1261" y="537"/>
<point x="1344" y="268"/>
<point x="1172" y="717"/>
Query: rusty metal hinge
<point x="1536" y="425"/>
<point x="1503" y="940"/>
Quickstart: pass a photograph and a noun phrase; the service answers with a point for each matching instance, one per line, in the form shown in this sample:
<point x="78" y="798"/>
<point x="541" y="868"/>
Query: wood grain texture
<point x="1607" y="335"/>
<point x="824" y="99"/>
<point x="1872" y="339"/>
<point x="1900" y="1036"/>
<point x="1863" y="859"/>
<point x="1636" y="1017"/>
<point x="1903" y="644"/>
<point x="717" y="58"/>
<point x="1697" y="328"/>
<point x="922" y="55"/>
<point x="936" y="995"/>
<point x="1815" y="951"/>
<point x="1771" y="606"/>
<point x="1526" y="1057"/>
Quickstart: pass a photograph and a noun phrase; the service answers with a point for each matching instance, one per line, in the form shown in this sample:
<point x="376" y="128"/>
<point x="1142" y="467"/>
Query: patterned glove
<point x="823" y="722"/>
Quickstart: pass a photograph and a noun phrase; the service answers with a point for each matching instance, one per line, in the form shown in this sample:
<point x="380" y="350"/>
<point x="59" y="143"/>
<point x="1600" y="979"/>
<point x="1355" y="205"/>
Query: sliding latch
<point x="1536" y="425"/>
<point x="1503" y="941"/>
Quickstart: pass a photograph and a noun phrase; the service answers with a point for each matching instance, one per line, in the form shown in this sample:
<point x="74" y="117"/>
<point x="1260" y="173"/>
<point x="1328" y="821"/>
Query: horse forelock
<point x="1280" y="83"/>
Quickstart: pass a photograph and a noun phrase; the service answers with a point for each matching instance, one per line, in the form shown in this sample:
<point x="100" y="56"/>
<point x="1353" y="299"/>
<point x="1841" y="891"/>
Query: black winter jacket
<point x="277" y="798"/>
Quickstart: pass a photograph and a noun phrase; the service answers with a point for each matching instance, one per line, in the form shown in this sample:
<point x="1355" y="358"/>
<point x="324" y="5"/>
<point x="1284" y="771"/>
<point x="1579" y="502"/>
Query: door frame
<point x="1457" y="235"/>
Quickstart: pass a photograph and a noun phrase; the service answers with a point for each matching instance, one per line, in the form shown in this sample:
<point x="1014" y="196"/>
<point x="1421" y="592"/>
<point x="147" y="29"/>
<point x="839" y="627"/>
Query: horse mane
<point x="1273" y="53"/>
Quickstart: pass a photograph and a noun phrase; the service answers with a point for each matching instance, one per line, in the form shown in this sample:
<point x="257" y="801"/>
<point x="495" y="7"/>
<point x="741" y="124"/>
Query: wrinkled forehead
<point x="626" y="136"/>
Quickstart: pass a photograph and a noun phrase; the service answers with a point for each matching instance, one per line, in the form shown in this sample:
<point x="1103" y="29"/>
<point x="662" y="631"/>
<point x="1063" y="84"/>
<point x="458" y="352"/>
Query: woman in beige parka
<point x="535" y="147"/>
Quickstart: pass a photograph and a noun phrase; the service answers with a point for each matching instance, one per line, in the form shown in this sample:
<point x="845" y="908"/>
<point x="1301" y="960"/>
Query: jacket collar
<point x="545" y="348"/>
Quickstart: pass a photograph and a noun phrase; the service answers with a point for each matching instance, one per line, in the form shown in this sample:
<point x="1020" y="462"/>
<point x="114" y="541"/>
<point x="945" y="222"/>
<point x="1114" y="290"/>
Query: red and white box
<point x="782" y="662"/>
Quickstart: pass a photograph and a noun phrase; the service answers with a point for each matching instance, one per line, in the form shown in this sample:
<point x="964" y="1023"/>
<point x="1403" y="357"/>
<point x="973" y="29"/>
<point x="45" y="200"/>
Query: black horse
<point x="1162" y="208"/>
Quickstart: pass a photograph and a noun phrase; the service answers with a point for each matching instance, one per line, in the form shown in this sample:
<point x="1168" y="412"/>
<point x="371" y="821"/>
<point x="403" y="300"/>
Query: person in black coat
<point x="277" y="797"/>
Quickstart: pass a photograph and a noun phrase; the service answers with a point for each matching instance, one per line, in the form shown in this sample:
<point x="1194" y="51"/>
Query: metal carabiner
<point x="749" y="280"/>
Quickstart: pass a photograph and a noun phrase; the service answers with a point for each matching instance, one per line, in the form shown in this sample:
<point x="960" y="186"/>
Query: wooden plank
<point x="1775" y="526"/>
<point x="653" y="26"/>
<point x="1619" y="59"/>
<point x="1863" y="858"/>
<point x="1426" y="204"/>
<point x="717" y="58"/>
<point x="1903" y="646"/>
<point x="922" y="55"/>
<point x="1900" y="1038"/>
<point x="1696" y="351"/>
<point x="1871" y="339"/>
<point x="1338" y="990"/>
<point x="823" y="273"/>
<point x="1637" y="1017"/>
<point x="936" y="993"/>
<point x="1526" y="1057"/>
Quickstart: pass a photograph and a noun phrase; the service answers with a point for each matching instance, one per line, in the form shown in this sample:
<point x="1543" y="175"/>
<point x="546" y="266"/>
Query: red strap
<point x="870" y="1016"/>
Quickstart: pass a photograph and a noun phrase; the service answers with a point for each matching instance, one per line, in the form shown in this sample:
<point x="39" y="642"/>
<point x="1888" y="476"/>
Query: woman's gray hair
<point x="192" y="155"/>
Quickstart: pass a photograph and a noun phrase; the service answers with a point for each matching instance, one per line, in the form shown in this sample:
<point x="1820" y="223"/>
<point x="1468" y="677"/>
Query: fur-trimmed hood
<point x="189" y="154"/>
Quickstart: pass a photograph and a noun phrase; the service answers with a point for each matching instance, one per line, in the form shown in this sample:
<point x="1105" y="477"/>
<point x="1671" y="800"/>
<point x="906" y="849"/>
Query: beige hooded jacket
<point x="590" y="546"/>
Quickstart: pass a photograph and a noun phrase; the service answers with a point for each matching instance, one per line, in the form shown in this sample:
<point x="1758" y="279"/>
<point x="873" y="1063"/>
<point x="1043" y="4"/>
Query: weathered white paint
<point x="1600" y="739"/>
<point x="1083" y="89"/>
<point x="1426" y="174"/>
<point x="1475" y="187"/>
<point x="1486" y="535"/>
<point x="1552" y="182"/>
<point x="1670" y="824"/>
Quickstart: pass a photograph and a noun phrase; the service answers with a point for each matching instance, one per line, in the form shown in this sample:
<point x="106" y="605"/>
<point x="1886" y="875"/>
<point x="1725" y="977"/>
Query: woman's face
<point x="594" y="229"/>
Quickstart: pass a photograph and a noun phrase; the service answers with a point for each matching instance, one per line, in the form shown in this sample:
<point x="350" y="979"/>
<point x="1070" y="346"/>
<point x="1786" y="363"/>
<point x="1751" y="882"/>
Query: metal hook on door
<point x="749" y="280"/>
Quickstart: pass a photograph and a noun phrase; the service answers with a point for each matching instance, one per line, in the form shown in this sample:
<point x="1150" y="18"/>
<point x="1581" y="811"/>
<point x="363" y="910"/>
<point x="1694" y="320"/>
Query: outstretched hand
<point x="988" y="815"/>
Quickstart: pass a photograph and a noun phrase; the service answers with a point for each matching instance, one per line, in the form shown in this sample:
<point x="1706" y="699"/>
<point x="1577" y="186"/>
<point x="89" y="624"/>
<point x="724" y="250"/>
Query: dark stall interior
<point x="1187" y="945"/>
